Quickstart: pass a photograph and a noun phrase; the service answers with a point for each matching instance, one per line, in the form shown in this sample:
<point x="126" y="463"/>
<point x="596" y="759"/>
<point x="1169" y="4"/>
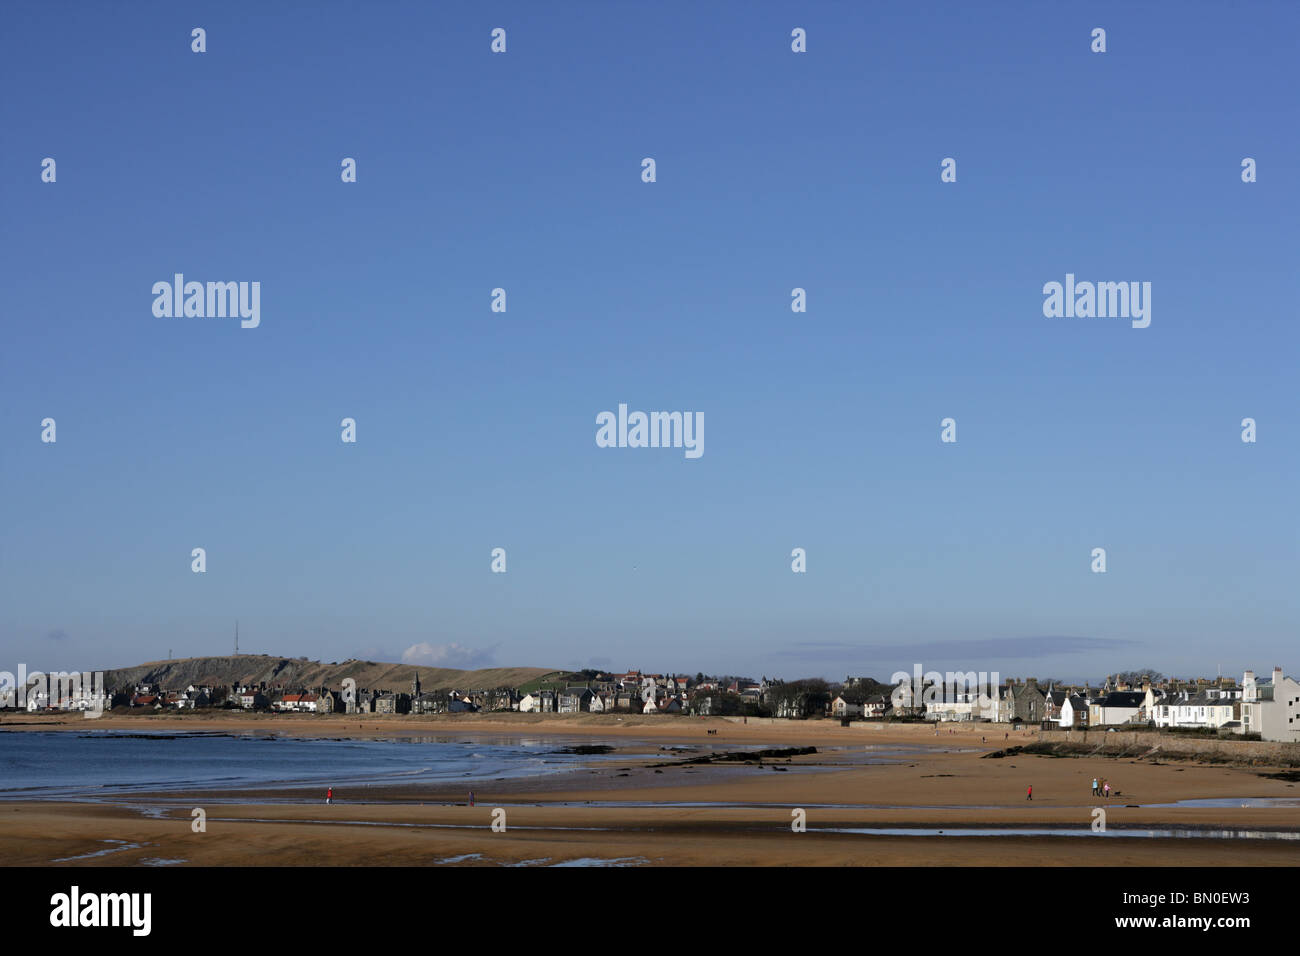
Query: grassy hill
<point x="300" y="672"/>
<point x="549" y="680"/>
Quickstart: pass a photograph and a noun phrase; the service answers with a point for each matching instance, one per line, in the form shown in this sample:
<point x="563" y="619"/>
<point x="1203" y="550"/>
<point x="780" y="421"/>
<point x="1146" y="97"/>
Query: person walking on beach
<point x="329" y="795"/>
<point x="1106" y="787"/>
<point x="1096" y="791"/>
<point x="1029" y="792"/>
<point x="471" y="798"/>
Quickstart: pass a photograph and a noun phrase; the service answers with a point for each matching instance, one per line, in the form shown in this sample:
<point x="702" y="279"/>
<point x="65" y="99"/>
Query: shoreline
<point x="649" y="806"/>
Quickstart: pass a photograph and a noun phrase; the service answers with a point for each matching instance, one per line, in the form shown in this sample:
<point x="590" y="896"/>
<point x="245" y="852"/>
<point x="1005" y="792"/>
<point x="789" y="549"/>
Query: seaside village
<point x="1264" y="706"/>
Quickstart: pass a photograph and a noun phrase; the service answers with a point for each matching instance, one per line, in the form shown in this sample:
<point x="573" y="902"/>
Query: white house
<point x="1271" y="708"/>
<point x="1053" y="701"/>
<point x="250" y="698"/>
<point x="89" y="700"/>
<point x="955" y="705"/>
<point x="574" y="700"/>
<point x="1074" y="711"/>
<point x="876" y="706"/>
<point x="1117" y="707"/>
<point x="841" y="707"/>
<point x="298" y="703"/>
<point x="1208" y="708"/>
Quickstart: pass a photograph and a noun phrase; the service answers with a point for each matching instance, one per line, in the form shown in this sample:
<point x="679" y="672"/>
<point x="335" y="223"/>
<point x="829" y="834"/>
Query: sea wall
<point x="1140" y="741"/>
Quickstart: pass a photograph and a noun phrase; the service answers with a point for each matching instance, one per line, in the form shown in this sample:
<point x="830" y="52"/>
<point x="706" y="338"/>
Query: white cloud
<point x="449" y="655"/>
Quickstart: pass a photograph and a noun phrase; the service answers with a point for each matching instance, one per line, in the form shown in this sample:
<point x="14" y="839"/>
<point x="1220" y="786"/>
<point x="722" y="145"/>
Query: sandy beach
<point x="647" y="805"/>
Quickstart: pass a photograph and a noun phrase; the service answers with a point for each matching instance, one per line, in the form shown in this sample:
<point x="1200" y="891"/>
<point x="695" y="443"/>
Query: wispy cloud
<point x="57" y="634"/>
<point x="449" y="655"/>
<point x="1001" y="648"/>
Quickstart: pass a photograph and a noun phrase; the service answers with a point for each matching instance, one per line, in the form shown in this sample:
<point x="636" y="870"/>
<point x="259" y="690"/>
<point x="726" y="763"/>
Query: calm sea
<point x="75" y="764"/>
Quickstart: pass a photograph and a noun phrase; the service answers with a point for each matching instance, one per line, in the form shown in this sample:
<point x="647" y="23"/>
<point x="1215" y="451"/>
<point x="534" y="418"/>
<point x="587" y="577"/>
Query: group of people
<point x="1100" y="788"/>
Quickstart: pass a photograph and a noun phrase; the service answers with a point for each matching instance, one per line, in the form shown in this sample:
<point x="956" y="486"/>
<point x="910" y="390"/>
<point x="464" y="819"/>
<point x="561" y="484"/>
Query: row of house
<point x="151" y="695"/>
<point x="630" y="692"/>
<point x="81" y="699"/>
<point x="1268" y="706"/>
<point x="320" y="700"/>
<point x="868" y="707"/>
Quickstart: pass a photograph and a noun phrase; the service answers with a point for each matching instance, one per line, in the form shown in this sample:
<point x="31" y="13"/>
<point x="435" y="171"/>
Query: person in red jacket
<point x="1029" y="792"/>
<point x="329" y="795"/>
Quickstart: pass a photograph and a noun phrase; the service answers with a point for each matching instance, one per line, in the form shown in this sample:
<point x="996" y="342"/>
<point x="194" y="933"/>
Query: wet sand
<point x="745" y="819"/>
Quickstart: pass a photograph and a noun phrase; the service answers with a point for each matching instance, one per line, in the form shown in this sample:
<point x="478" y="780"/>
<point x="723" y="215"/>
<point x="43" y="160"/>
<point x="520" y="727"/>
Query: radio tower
<point x="236" y="637"/>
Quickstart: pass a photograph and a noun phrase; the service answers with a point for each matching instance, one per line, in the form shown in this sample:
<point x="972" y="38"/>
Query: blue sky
<point x="477" y="429"/>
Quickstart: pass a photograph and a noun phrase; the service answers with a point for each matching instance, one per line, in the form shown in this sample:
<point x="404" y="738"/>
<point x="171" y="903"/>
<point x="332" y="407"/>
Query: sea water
<point x="89" y="764"/>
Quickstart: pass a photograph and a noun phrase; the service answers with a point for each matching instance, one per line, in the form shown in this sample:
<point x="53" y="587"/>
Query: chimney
<point x="1277" y="679"/>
